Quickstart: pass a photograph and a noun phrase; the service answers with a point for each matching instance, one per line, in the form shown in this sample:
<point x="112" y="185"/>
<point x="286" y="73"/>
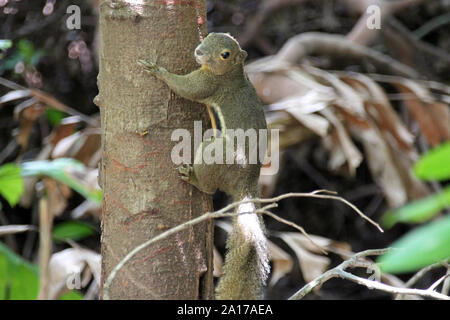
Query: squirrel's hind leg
<point x="205" y="177"/>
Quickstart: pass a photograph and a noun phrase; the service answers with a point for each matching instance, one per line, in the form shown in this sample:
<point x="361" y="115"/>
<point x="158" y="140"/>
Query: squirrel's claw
<point x="148" y="66"/>
<point x="186" y="172"/>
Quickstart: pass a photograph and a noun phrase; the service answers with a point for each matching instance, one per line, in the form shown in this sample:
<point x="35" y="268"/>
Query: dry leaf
<point x="14" y="95"/>
<point x="351" y="152"/>
<point x="217" y="262"/>
<point x="312" y="265"/>
<point x="347" y="97"/>
<point x="27" y="115"/>
<point x="15" y="228"/>
<point x="382" y="166"/>
<point x="64" y="129"/>
<point x="315" y="123"/>
<point x="380" y="109"/>
<point x="282" y="263"/>
<point x="84" y="208"/>
<point x="86" y="147"/>
<point x="336" y="155"/>
<point x="66" y="269"/>
<point x="417" y="106"/>
<point x="62" y="148"/>
<point x="312" y="262"/>
<point x="58" y="195"/>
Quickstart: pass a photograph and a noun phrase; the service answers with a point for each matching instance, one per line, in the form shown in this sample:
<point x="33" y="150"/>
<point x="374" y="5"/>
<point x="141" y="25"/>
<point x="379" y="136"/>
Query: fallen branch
<point x="266" y="7"/>
<point x="15" y="228"/>
<point x="45" y="247"/>
<point x="423" y="271"/>
<point x="49" y="100"/>
<point x="360" y="33"/>
<point x="425" y="47"/>
<point x="395" y="79"/>
<point x="334" y="46"/>
<point x="354" y="261"/>
<point x="419" y="275"/>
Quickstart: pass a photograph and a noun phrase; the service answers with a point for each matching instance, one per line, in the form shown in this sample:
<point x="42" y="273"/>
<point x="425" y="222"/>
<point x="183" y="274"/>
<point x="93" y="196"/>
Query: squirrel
<point x="232" y="103"/>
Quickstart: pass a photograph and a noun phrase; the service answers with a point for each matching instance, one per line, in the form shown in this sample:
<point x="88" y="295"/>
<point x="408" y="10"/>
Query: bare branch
<point x="446" y="285"/>
<point x="320" y="196"/>
<point x="438" y="282"/>
<point x="50" y="101"/>
<point x="15" y="228"/>
<point x="224" y="213"/>
<point x="332" y="45"/>
<point x="354" y="261"/>
<point x="360" y="33"/>
<point x="423" y="271"/>
<point x="289" y="223"/>
<point x="266" y="7"/>
<point x="387" y="288"/>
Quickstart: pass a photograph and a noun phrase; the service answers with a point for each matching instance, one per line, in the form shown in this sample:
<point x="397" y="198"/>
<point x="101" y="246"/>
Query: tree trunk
<point x="142" y="193"/>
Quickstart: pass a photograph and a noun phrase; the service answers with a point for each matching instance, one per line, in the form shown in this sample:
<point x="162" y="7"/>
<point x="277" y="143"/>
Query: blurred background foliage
<point x="362" y="113"/>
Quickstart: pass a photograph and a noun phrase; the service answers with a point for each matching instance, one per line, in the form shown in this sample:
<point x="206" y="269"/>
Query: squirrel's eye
<point x="225" y="55"/>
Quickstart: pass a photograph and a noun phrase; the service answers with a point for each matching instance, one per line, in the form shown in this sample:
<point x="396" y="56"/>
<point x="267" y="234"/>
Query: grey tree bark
<point x="142" y="193"/>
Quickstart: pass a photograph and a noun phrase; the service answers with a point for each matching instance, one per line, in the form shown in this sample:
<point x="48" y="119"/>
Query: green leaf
<point x="24" y="283"/>
<point x="3" y="276"/>
<point x="18" y="278"/>
<point x="11" y="183"/>
<point x="420" y="247"/>
<point x="36" y="57"/>
<point x="73" y="230"/>
<point x="5" y="44"/>
<point x="26" y="49"/>
<point x="418" y="211"/>
<point x="72" y="295"/>
<point x="435" y="165"/>
<point x="65" y="170"/>
<point x="9" y="64"/>
<point x="54" y="116"/>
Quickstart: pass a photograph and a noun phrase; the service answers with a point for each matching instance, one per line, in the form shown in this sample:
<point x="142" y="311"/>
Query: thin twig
<point x="387" y="288"/>
<point x="266" y="7"/>
<point x="427" y="48"/>
<point x="340" y="272"/>
<point x="289" y="223"/>
<point x="363" y="35"/>
<point x="446" y="285"/>
<point x="320" y="196"/>
<point x="438" y="282"/>
<point x="431" y="25"/>
<point x="15" y="228"/>
<point x="45" y="247"/>
<point x="332" y="45"/>
<point x="394" y="79"/>
<point x="423" y="271"/>
<point x="224" y="213"/>
<point x="50" y="101"/>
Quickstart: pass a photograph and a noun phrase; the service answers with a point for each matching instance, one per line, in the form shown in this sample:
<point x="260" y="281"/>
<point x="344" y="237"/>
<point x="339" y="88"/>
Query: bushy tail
<point x="247" y="261"/>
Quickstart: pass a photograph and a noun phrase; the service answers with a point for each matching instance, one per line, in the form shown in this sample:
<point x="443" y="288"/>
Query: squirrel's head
<point x="219" y="52"/>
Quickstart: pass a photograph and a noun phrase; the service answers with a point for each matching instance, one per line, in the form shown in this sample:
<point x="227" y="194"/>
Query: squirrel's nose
<point x="198" y="52"/>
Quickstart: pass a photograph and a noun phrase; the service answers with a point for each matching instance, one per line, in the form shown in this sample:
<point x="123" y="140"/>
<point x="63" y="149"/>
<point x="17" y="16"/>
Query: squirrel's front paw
<point x="187" y="174"/>
<point x="149" y="66"/>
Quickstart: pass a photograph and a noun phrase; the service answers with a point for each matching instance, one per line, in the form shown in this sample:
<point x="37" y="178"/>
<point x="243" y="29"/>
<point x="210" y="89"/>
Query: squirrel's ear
<point x="241" y="56"/>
